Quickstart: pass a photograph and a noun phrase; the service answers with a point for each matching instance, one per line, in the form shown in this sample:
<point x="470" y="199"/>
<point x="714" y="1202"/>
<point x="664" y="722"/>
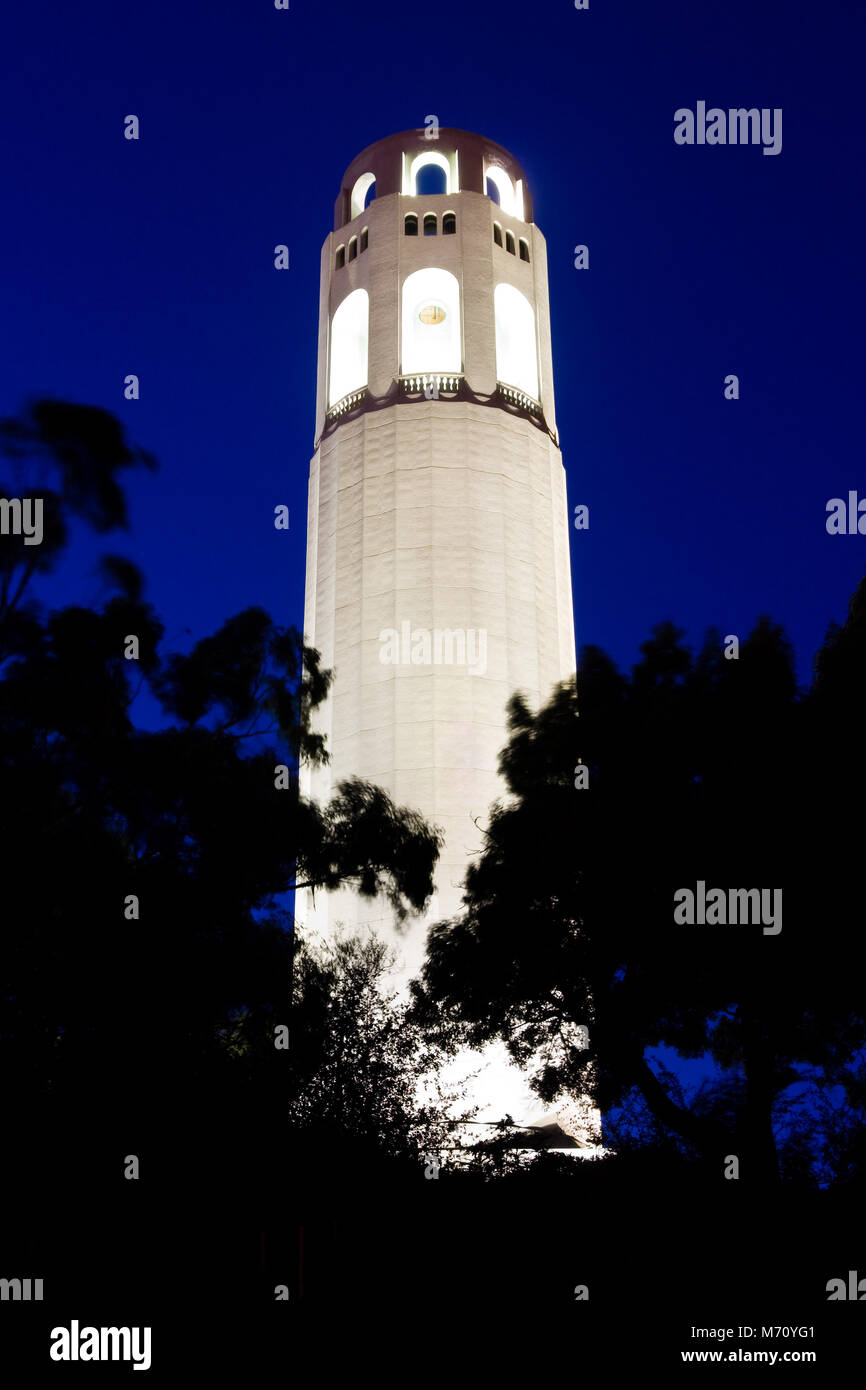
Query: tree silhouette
<point x="700" y="768"/>
<point x="146" y="920"/>
<point x="361" y="1061"/>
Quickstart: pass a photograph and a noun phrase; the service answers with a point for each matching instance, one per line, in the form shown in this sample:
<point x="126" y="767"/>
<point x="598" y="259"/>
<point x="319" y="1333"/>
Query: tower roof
<point x="389" y="162"/>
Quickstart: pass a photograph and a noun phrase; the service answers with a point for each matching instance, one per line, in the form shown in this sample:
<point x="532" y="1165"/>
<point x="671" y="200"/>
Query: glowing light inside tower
<point x="349" y="334"/>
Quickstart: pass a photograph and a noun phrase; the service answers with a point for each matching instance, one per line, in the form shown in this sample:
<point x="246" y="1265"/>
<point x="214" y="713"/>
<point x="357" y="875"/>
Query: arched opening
<point x="524" y="250"/>
<point x="340" y="260"/>
<point x="349" y="332"/>
<point x="497" y="233"/>
<point x="431" y="322"/>
<point x="435" y="171"/>
<point x="509" y="198"/>
<point x="353" y="248"/>
<point x="431" y="181"/>
<point x="363" y="193"/>
<point x="509" y="243"/>
<point x="430" y="224"/>
<point x="364" y="240"/>
<point x="449" y="224"/>
<point x="516" y="360"/>
<point x="410" y="225"/>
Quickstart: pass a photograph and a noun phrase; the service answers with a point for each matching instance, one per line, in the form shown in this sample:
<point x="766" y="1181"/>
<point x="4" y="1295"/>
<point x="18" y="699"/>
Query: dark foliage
<point x="140" y="1005"/>
<point x="700" y="768"/>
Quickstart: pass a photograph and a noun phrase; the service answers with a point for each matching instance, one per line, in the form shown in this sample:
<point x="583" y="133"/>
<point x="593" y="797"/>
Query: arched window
<point x="364" y="240"/>
<point x="497" y="233"/>
<point x="500" y="188"/>
<point x="436" y="171"/>
<point x="363" y="193"/>
<point x="430" y="181"/>
<point x="430" y="224"/>
<point x="449" y="224"/>
<point x="341" y="258"/>
<point x="431" y="322"/>
<point x="410" y="225"/>
<point x="349" y="331"/>
<point x="509" y="244"/>
<point x="524" y="250"/>
<point x="353" y="248"/>
<point x="516" y="361"/>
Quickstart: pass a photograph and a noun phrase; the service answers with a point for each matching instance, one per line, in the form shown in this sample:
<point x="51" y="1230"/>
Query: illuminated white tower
<point x="438" y="578"/>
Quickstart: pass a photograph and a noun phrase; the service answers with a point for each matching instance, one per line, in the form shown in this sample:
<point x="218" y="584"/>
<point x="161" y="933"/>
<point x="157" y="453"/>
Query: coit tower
<point x="438" y="578"/>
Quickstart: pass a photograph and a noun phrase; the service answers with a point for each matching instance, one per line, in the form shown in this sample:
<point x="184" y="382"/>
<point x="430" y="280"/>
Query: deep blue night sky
<point x="156" y="257"/>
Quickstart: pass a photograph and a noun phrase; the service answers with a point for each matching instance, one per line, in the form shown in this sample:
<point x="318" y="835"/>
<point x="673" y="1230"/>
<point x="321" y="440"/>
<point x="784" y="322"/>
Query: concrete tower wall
<point x="446" y="514"/>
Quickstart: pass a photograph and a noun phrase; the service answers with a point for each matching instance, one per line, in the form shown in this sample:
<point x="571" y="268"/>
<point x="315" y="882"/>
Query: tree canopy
<point x="696" y="767"/>
<point x="146" y="937"/>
